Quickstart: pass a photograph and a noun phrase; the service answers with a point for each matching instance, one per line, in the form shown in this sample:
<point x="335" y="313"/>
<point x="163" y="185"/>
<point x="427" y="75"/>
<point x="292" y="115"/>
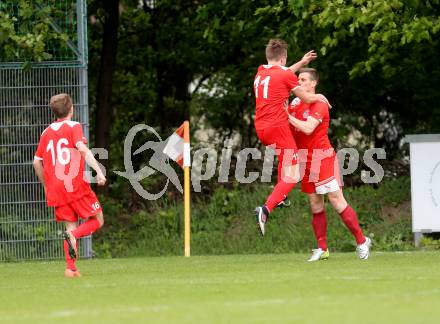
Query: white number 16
<point x="63" y="153"/>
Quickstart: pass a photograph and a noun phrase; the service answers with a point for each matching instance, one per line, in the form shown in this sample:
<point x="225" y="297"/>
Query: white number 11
<point x="265" y="83"/>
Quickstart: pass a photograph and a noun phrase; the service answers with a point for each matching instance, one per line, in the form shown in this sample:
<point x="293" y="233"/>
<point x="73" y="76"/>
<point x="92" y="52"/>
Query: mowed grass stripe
<point x="389" y="287"/>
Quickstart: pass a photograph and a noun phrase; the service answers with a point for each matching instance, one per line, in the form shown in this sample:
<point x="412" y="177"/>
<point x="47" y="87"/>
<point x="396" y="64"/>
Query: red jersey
<point x="319" y="137"/>
<point x="63" y="164"/>
<point x="272" y="87"/>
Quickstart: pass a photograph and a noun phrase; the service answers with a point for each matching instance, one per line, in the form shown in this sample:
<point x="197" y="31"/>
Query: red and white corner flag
<point x="178" y="146"/>
<point x="178" y="149"/>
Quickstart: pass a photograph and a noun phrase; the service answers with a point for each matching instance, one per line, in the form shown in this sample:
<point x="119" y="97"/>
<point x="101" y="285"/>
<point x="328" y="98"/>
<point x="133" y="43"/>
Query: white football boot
<point x="319" y="254"/>
<point x="363" y="250"/>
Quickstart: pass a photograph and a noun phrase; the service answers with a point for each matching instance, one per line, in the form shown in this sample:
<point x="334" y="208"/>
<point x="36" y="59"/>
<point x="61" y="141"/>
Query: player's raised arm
<point x="307" y="58"/>
<point x="91" y="161"/>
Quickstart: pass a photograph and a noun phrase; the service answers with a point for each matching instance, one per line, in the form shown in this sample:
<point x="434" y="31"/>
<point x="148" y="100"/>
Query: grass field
<point x="387" y="288"/>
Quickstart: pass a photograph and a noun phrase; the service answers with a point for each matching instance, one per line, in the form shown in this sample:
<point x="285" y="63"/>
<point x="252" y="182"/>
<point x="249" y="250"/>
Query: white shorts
<point x="325" y="188"/>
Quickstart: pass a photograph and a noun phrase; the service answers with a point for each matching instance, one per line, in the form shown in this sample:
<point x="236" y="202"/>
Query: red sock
<point x="87" y="228"/>
<point x="278" y="194"/>
<point x="280" y="169"/>
<point x="70" y="264"/>
<point x="319" y="223"/>
<point x="350" y="220"/>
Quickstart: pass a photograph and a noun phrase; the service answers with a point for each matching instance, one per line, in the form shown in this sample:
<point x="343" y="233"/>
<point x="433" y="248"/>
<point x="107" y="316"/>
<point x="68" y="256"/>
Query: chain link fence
<point x="27" y="227"/>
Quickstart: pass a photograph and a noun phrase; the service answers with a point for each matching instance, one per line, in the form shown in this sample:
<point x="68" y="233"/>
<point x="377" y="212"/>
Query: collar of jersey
<point x="269" y="66"/>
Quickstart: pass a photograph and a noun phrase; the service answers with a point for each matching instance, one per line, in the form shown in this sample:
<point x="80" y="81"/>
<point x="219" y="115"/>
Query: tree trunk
<point x="105" y="80"/>
<point x="172" y="80"/>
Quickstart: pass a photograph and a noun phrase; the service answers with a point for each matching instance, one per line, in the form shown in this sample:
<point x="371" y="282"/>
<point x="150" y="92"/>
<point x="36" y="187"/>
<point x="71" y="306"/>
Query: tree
<point x="28" y="32"/>
<point x="104" y="113"/>
<point x="380" y="57"/>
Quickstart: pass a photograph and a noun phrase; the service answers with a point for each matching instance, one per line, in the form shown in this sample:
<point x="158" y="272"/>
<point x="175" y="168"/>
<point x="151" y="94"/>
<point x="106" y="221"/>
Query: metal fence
<point x="27" y="226"/>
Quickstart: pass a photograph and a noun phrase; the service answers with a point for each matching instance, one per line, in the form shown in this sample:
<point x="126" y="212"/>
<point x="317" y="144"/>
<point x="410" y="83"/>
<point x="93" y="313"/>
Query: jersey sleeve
<point x="291" y="80"/>
<point x="40" y="150"/>
<point x="318" y="110"/>
<point x="78" y="135"/>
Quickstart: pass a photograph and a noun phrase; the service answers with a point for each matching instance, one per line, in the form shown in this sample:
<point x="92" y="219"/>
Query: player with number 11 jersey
<point x="270" y="100"/>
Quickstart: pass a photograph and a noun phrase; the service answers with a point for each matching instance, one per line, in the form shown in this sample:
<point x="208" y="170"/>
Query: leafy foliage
<point x="378" y="63"/>
<point x="225" y="223"/>
<point x="27" y="32"/>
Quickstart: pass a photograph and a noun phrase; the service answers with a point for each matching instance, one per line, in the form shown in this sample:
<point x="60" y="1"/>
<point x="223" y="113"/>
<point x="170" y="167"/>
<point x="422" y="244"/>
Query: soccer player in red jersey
<point x="59" y="165"/>
<point x="273" y="84"/>
<point x="321" y="170"/>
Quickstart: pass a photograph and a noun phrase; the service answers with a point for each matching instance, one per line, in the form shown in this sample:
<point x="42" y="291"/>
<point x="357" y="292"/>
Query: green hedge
<point x="225" y="223"/>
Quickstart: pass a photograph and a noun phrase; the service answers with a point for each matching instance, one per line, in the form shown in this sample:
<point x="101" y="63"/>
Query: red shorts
<point x="84" y="208"/>
<point x="321" y="176"/>
<point x="282" y="138"/>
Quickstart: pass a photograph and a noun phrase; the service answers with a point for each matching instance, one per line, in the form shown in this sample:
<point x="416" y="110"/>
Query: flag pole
<point x="186" y="186"/>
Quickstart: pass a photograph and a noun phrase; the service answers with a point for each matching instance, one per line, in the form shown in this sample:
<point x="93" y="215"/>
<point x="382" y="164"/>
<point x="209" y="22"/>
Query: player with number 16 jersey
<point x="63" y="164"/>
<point x="59" y="165"/>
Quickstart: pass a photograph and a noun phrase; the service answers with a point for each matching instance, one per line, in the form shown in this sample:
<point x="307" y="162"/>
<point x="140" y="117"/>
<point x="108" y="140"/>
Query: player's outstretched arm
<point x="308" y="97"/>
<point x="91" y="161"/>
<point x="307" y="58"/>
<point x="38" y="167"/>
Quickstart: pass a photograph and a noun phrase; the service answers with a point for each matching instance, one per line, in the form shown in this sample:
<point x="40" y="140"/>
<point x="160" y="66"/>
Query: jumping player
<point x="321" y="170"/>
<point x="59" y="165"/>
<point x="273" y="84"/>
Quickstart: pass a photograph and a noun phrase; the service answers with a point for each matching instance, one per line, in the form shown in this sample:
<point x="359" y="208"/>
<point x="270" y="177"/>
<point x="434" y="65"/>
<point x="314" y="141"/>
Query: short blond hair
<point x="276" y="49"/>
<point x="60" y="105"/>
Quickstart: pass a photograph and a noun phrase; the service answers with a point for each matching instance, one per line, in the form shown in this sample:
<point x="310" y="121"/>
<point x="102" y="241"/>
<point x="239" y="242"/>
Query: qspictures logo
<point x="158" y="162"/>
<point x="207" y="163"/>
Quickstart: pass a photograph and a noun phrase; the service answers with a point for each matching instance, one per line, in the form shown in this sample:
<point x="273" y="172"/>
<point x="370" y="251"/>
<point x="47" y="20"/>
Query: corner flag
<point x="178" y="149"/>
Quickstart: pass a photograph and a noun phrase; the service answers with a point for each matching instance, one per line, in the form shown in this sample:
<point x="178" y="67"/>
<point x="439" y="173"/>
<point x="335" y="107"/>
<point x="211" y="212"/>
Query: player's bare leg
<point x="337" y="200"/>
<point x="350" y="219"/>
<point x="316" y="202"/>
<point x="71" y="270"/>
<point x="290" y="173"/>
<point x="319" y="224"/>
